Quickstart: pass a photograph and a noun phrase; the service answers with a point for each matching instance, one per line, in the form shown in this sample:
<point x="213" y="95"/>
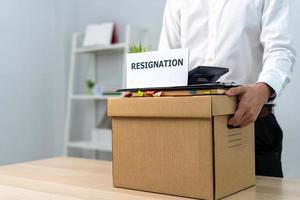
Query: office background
<point x="35" y="48"/>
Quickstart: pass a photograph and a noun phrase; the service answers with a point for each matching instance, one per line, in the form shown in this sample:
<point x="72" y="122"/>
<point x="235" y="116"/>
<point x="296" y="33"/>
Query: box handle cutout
<point x="233" y="127"/>
<point x="234" y="137"/>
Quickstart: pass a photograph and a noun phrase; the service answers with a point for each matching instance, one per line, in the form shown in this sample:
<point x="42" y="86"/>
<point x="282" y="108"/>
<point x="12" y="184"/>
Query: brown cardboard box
<point x="181" y="146"/>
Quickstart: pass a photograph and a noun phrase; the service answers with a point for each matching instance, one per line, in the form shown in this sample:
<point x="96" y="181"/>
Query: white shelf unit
<point x="99" y="48"/>
<point x="133" y="35"/>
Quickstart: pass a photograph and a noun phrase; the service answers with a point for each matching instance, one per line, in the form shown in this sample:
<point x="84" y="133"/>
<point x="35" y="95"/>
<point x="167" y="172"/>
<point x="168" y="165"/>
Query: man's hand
<point x="251" y="100"/>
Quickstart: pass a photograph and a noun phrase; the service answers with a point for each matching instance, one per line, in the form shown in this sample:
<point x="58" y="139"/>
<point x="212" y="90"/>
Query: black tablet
<point x="207" y="86"/>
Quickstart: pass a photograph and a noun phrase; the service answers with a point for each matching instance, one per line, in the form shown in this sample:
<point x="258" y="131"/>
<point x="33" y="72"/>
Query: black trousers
<point x="268" y="147"/>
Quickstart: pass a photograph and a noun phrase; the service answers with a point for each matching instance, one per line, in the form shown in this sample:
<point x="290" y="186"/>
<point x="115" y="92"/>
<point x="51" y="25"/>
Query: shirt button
<point x="212" y="36"/>
<point x="210" y="60"/>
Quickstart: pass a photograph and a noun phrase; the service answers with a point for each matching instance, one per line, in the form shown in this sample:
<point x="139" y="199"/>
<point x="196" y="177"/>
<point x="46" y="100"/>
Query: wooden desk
<point x="79" y="179"/>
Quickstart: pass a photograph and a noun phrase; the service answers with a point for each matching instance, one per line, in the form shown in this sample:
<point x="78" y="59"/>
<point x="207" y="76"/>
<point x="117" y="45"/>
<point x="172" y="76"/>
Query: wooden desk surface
<point x="80" y="179"/>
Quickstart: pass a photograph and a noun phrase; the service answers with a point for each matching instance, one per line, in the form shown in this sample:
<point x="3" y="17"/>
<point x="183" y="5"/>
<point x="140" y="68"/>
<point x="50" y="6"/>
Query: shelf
<point x="98" y="48"/>
<point x="87" y="97"/>
<point x="87" y="145"/>
<point x="94" y="57"/>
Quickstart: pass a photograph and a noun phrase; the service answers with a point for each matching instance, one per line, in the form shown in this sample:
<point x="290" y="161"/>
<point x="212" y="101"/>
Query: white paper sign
<point x="158" y="69"/>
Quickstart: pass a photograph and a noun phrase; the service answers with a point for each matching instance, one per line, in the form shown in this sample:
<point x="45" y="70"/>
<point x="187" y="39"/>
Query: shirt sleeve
<point x="170" y="34"/>
<point x="276" y="38"/>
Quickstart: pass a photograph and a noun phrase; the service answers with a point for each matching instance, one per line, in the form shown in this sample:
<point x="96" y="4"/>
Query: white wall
<point x="288" y="109"/>
<point x="28" y="58"/>
<point x="36" y="35"/>
<point x="66" y="12"/>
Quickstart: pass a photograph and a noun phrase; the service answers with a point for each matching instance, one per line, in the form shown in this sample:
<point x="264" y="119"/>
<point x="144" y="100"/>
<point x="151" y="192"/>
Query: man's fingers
<point x="235" y="91"/>
<point x="237" y="118"/>
<point x="250" y="116"/>
<point x="246" y="123"/>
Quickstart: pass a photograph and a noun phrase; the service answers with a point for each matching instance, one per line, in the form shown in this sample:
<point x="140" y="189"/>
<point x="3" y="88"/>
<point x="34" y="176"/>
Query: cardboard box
<point x="181" y="146"/>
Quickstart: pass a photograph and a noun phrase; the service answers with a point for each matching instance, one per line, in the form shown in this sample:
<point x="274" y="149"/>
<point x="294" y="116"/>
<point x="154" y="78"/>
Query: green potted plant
<point x="137" y="48"/>
<point x="90" y="86"/>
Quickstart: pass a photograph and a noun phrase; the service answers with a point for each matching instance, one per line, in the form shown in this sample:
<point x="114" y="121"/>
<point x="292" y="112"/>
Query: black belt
<point x="266" y="110"/>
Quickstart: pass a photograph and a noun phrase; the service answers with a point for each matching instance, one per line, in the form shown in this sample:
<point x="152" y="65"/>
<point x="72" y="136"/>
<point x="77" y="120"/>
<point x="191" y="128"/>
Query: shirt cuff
<point x="276" y="77"/>
<point x="272" y="82"/>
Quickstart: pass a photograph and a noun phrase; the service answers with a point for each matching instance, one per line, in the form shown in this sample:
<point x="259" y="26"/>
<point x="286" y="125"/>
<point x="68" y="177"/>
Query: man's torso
<point x="223" y="33"/>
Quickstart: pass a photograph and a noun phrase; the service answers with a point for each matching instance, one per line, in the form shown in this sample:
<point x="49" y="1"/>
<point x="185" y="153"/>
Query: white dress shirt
<point x="250" y="37"/>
